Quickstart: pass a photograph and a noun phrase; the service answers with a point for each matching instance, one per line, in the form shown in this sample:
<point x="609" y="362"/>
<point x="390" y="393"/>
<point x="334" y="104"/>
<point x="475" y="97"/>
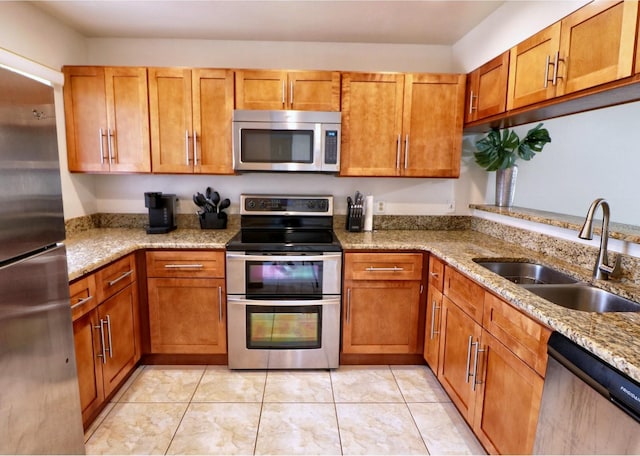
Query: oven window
<point x="276" y="146"/>
<point x="284" y="327"/>
<point x="278" y="279"/>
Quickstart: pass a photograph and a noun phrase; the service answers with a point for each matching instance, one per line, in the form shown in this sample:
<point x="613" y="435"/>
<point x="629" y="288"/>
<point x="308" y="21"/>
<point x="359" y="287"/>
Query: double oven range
<point x="284" y="284"/>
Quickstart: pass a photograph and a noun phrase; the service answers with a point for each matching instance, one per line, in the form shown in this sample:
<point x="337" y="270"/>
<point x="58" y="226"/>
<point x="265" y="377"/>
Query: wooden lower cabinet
<point x="89" y="366"/>
<point x="187" y="315"/>
<point x="118" y="313"/>
<point x="106" y="332"/>
<point x="432" y="328"/>
<point x="491" y="362"/>
<point x="508" y="395"/>
<point x="186" y="298"/>
<point x="381" y="317"/>
<point x="459" y="334"/>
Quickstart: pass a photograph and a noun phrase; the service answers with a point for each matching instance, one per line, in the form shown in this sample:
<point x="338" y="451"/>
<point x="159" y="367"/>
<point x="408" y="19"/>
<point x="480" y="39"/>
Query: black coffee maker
<point x="162" y="212"/>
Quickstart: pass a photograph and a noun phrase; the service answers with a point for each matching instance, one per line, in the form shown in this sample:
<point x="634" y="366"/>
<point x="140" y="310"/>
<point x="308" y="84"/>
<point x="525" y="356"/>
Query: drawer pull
<point x="393" y="269"/>
<point x="82" y="301"/>
<point x="183" y="266"/>
<point x="123" y="276"/>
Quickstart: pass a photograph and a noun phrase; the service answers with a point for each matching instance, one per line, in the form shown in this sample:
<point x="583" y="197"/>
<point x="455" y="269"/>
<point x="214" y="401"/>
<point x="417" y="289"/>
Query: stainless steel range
<point x="283" y="284"/>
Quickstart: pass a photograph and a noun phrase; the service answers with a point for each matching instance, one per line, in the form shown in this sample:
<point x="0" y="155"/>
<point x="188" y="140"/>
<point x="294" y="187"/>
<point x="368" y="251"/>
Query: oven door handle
<point x="242" y="299"/>
<point x="330" y="256"/>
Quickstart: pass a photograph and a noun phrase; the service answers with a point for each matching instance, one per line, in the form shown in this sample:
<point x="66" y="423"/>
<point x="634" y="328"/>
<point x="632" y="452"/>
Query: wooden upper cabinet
<point x="432" y="125"/>
<point x="107" y="119"/>
<point x="297" y="90"/>
<point x="591" y="46"/>
<point x="487" y="89"/>
<point x="530" y="68"/>
<point x="190" y="114"/>
<point x="371" y="124"/>
<point x="597" y="45"/>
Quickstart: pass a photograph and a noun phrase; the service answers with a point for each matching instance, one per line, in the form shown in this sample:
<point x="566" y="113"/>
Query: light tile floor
<point x="212" y="410"/>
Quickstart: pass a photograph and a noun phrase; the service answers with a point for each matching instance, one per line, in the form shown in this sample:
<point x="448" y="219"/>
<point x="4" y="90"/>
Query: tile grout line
<point x="264" y="391"/>
<point x="335" y="410"/>
<point x="185" y="410"/>
<point x="413" y="419"/>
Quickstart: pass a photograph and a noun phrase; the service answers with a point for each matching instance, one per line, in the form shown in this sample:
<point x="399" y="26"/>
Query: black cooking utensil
<point x="225" y="203"/>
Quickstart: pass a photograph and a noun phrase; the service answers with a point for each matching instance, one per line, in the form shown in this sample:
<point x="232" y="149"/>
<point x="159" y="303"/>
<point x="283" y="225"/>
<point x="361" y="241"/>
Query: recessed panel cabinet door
<point x="458" y="335"/>
<point x="119" y="314"/>
<point x="530" y="69"/>
<point x="128" y="114"/>
<point x="88" y="346"/>
<point x="597" y="45"/>
<point x="509" y="394"/>
<point x="314" y="90"/>
<point x="261" y="89"/>
<point x="170" y="117"/>
<point x="487" y="93"/>
<point x="187" y="315"/>
<point x="432" y="125"/>
<point x="371" y="124"/>
<point x="85" y="110"/>
<point x="432" y="329"/>
<point x="212" y="112"/>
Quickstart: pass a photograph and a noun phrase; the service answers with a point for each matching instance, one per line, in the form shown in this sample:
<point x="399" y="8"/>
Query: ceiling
<point x="349" y="21"/>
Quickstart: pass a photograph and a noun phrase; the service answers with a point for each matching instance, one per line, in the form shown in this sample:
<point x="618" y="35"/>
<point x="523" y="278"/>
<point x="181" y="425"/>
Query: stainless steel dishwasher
<point x="588" y="407"/>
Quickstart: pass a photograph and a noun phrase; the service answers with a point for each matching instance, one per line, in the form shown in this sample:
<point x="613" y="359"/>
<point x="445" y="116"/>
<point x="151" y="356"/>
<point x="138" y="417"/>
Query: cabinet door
<point x="170" y="119"/>
<point x="597" y="45"/>
<point x="118" y="315"/>
<point x="432" y="328"/>
<point x="432" y="125"/>
<point x="436" y="273"/>
<point x="261" y="89"/>
<point x="381" y="317"/>
<point x="85" y="110"/>
<point x="487" y="93"/>
<point x="88" y="347"/>
<point x="508" y="400"/>
<point x="212" y="112"/>
<point x="187" y="315"/>
<point x="458" y="334"/>
<point x="314" y="90"/>
<point x="371" y="124"/>
<point x="528" y="68"/>
<point x="128" y="120"/>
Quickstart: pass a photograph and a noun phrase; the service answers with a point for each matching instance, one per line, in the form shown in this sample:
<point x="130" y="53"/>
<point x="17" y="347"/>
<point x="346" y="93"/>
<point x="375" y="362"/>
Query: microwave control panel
<point x="331" y="147"/>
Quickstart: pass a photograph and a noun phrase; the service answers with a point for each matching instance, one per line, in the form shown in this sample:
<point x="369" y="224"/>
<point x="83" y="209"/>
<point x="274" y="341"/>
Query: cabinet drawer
<point x="115" y="277"/>
<point x="521" y="334"/>
<point x="83" y="296"/>
<point x="383" y="266"/>
<point x="467" y="294"/>
<point x="436" y="273"/>
<point x="180" y="263"/>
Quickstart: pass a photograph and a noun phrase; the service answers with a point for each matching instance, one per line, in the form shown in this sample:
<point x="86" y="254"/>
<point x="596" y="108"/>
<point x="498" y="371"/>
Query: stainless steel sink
<point x="584" y="297"/>
<point x="526" y="273"/>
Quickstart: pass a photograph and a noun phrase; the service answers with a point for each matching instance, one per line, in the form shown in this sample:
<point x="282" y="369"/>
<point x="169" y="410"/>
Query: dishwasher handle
<point x="614" y="385"/>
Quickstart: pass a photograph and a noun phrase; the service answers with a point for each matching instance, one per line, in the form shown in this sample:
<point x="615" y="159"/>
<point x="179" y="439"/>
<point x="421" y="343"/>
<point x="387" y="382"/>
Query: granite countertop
<point x="614" y="337"/>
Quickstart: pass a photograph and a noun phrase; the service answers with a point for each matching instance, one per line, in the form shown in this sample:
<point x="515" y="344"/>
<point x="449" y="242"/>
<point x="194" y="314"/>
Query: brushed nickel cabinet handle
<point x="183" y="266"/>
<point x="219" y="303"/>
<point x="398" y="153"/>
<point x="468" y="371"/>
<point x="82" y="301"/>
<point x="475" y="364"/>
<point x="393" y="269"/>
<point x="123" y="276"/>
<point x="434" y="307"/>
<point x="110" y="146"/>
<point x="186" y="147"/>
<point x="471" y="107"/>
<point x="195" y="148"/>
<point x="406" y="151"/>
<point x="291" y="93"/>
<point x="348" y="305"/>
<point x="109" y="336"/>
<point x="101" y="142"/>
<point x="546" y="71"/>
<point x="555" y="68"/>
<point x="103" y="352"/>
<point x="283" y="93"/>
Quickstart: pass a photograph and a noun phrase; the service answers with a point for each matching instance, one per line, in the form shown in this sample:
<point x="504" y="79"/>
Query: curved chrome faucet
<point x="602" y="270"/>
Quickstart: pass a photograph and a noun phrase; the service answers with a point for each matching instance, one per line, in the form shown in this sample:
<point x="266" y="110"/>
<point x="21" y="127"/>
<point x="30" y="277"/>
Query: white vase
<point x="506" y="186"/>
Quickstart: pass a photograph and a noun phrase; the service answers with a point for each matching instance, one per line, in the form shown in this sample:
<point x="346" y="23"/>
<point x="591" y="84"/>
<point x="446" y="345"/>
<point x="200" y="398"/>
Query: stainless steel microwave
<point x="306" y="141"/>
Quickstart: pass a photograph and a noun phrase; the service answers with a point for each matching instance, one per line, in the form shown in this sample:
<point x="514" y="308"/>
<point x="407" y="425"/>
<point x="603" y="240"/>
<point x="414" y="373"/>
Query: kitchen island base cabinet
<point x="186" y="298"/>
<point x="381" y="303"/>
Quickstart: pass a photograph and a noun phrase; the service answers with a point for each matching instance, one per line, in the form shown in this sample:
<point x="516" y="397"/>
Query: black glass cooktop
<point x="285" y="240"/>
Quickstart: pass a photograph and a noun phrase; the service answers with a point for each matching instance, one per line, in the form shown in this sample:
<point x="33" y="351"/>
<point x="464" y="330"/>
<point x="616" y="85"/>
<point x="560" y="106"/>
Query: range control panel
<point x="286" y="205"/>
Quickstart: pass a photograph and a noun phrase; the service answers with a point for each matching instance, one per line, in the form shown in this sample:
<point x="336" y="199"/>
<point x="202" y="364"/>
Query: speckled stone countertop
<point x="91" y="249"/>
<point x="614" y="337"/>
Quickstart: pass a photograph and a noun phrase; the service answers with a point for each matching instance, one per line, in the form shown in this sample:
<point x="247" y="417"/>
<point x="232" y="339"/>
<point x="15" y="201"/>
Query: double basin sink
<point x="559" y="288"/>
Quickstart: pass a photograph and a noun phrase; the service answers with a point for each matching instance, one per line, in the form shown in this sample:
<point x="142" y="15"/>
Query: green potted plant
<point x="499" y="150"/>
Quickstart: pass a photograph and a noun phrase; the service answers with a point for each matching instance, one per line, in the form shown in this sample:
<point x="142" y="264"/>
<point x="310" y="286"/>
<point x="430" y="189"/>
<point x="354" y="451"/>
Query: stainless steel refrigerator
<point x="39" y="397"/>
